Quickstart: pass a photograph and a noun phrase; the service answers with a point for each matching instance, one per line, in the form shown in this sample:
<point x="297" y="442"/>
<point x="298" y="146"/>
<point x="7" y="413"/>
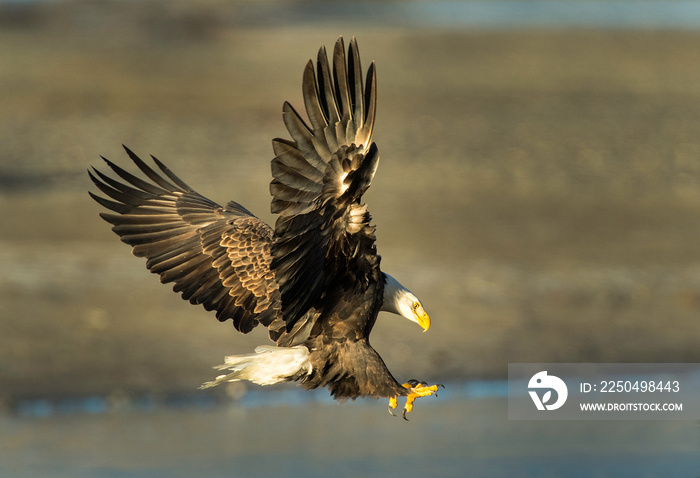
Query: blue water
<point x="285" y="433"/>
<point x="256" y="397"/>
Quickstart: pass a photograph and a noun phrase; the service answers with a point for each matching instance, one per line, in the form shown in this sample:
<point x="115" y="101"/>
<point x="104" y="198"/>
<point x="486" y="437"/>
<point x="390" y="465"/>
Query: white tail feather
<point x="268" y="365"/>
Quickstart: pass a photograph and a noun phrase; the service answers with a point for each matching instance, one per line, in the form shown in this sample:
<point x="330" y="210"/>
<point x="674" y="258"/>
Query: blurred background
<point x="539" y="190"/>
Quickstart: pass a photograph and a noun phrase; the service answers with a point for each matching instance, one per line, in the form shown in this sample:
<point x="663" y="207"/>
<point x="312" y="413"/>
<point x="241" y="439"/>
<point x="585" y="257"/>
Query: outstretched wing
<point x="216" y="256"/>
<point x="322" y="234"/>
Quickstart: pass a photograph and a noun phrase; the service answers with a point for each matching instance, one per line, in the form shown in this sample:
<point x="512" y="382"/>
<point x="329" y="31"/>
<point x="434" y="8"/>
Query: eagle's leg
<point x="416" y="389"/>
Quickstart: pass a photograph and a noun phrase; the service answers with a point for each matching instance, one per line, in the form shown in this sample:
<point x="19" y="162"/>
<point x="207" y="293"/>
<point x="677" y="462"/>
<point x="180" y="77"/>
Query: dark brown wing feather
<point x="216" y="256"/>
<point x="322" y="235"/>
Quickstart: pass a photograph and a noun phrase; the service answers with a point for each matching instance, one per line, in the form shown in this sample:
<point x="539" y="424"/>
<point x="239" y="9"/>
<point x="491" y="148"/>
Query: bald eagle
<point x="314" y="279"/>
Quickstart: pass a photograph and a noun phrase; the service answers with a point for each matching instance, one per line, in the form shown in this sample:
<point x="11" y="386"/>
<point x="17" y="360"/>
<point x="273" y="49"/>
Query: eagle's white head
<point x="401" y="301"/>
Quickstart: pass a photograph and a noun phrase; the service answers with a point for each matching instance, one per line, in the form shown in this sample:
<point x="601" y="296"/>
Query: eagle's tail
<point x="268" y="365"/>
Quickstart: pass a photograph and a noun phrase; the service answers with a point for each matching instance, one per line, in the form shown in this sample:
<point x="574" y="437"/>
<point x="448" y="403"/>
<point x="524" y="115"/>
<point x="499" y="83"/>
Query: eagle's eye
<point x="416" y="305"/>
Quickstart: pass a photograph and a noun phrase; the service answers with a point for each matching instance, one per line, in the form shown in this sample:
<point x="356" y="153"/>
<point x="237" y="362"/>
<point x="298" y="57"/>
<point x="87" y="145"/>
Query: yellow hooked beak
<point x="424" y="321"/>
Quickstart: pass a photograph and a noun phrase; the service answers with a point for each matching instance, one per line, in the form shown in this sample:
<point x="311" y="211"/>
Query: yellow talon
<point x="392" y="405"/>
<point x="416" y="389"/>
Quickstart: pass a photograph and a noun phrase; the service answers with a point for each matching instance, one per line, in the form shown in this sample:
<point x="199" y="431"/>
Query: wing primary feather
<point x="355" y="83"/>
<point x="111" y="205"/>
<point x="134" y="202"/>
<point x="325" y="86"/>
<point x="126" y="203"/>
<point x="144" y="218"/>
<point x="134" y="180"/>
<point x="341" y="81"/>
<point x="303" y="136"/>
<point x="123" y="188"/>
<point x="150" y="173"/>
<point x="370" y="106"/>
<point x="153" y="237"/>
<point x="128" y="228"/>
<point x="311" y="99"/>
<point x="170" y="174"/>
<point x="289" y="154"/>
